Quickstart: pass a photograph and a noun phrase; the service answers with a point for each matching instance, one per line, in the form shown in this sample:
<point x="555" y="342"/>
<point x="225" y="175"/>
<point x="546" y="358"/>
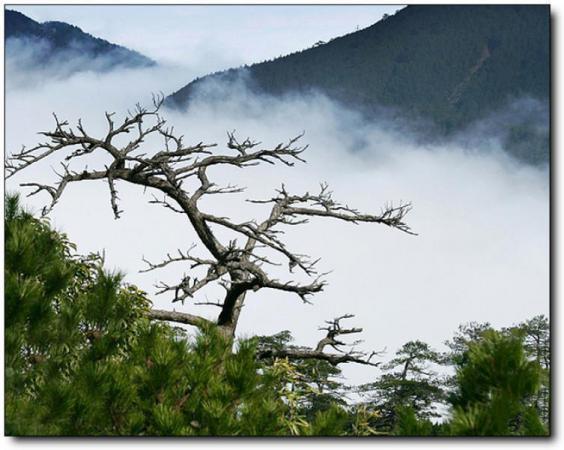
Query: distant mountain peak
<point x="62" y="47"/>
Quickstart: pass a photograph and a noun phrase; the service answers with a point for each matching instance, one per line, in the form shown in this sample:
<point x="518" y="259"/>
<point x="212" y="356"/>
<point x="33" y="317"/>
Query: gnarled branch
<point x="179" y="173"/>
<point x="333" y="329"/>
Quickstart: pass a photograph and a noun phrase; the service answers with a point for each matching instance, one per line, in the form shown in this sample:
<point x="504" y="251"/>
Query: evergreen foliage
<point x="536" y="335"/>
<point x="409" y="387"/>
<point x="408" y="424"/>
<point x="82" y="358"/>
<point x="493" y="387"/>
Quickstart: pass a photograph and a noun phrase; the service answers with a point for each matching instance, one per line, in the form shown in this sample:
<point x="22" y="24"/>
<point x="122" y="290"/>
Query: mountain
<point x="62" y="48"/>
<point x="448" y="65"/>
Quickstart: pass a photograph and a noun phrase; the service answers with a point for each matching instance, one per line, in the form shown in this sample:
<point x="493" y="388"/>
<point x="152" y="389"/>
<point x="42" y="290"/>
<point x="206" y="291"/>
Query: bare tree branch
<point x="301" y="353"/>
<point x="179" y="174"/>
<point x="333" y="330"/>
<point x="286" y="208"/>
<point x="178" y="317"/>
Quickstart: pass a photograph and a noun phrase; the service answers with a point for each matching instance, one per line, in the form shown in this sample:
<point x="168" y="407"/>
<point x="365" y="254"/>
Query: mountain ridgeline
<point x="62" y="48"/>
<point x="441" y="67"/>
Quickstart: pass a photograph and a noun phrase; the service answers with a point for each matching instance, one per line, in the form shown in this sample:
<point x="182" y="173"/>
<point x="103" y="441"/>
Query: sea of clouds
<point x="482" y="219"/>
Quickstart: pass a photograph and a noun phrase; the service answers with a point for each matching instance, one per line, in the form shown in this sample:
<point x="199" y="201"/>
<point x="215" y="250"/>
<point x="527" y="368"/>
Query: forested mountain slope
<point x="448" y="65"/>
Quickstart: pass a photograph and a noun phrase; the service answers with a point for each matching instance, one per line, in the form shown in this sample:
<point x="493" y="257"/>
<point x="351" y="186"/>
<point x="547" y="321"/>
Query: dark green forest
<point x="82" y="357"/>
<point x="438" y="68"/>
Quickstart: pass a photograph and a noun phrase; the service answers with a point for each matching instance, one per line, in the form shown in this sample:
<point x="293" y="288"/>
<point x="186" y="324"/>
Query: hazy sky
<point x="213" y="37"/>
<point x="482" y="249"/>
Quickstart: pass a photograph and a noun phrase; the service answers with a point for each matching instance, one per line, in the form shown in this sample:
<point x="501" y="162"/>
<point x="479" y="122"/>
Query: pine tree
<point x="408" y="387"/>
<point x="493" y="385"/>
<point x="536" y="342"/>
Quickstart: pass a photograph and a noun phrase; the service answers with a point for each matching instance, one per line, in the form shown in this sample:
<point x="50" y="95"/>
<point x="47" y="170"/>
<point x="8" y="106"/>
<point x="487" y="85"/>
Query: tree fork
<point x="179" y="173"/>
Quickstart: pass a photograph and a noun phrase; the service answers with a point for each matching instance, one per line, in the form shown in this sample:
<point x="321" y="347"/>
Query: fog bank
<point x="481" y="253"/>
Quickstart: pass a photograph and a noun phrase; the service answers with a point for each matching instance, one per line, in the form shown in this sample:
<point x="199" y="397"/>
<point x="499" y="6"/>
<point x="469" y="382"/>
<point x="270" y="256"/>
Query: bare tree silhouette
<point x="237" y="267"/>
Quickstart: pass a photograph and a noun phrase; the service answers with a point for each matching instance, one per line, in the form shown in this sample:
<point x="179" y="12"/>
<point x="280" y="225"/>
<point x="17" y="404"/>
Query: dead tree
<point x="179" y="174"/>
